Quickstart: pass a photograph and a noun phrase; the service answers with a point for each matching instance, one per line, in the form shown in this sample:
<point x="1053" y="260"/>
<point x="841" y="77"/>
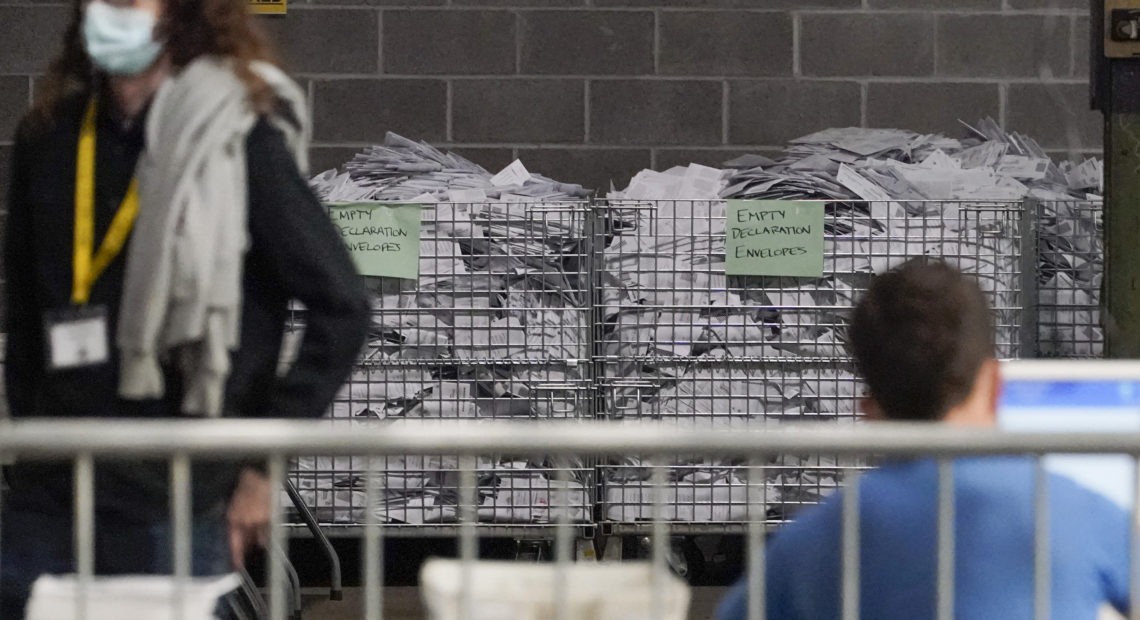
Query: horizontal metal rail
<point x="133" y="438"/>
<point x="179" y="441"/>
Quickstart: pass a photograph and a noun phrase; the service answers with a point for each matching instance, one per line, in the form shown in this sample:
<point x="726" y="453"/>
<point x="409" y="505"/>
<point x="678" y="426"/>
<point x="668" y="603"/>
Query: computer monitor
<point x="1077" y="396"/>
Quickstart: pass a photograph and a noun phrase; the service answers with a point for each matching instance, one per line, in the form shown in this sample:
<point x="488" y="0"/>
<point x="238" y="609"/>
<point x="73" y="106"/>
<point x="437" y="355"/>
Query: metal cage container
<point x="1070" y="272"/>
<point x="680" y="342"/>
<point x="495" y="328"/>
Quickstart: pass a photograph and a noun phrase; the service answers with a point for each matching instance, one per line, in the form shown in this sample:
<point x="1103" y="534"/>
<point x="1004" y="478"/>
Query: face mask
<point x="119" y="40"/>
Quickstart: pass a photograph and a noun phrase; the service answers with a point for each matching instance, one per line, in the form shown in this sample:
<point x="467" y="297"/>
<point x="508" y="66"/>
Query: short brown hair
<point x="919" y="336"/>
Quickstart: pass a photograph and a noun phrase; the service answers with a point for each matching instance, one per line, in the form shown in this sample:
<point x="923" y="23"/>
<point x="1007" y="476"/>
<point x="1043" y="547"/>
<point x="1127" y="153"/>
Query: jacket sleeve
<point x="24" y="358"/>
<point x="307" y="256"/>
<point x="1111" y="549"/>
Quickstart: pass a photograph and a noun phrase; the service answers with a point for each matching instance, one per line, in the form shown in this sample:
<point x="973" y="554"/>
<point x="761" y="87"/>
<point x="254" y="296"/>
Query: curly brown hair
<point x="189" y="29"/>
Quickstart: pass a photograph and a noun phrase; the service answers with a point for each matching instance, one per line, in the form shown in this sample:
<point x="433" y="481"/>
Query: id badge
<point x="77" y="337"/>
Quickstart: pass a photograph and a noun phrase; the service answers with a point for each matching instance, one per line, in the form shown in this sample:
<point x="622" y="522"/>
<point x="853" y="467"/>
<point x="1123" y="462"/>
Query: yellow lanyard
<point x="87" y="264"/>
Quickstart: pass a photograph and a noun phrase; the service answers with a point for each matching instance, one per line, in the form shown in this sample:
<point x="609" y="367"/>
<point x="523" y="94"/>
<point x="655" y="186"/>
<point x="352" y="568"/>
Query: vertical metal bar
<point x="1028" y="306"/>
<point x="660" y="539"/>
<point x="595" y="287"/>
<point x="1121" y="297"/>
<point x="277" y="577"/>
<point x="757" y="531"/>
<point x="373" y="546"/>
<point x="850" y="586"/>
<point x="468" y="543"/>
<point x="1041" y="560"/>
<point x="1134" y="581"/>
<point x="336" y="589"/>
<point x="945" y="539"/>
<point x="180" y="518"/>
<point x="563" y="544"/>
<point x="84" y="530"/>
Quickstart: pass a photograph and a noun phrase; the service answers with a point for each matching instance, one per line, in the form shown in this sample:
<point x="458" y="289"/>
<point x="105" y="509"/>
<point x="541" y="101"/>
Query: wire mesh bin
<point x="681" y="342"/>
<point x="496" y="327"/>
<point x="1070" y="249"/>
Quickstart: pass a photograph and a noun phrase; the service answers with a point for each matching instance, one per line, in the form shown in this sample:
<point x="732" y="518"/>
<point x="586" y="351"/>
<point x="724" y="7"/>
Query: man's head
<point x="923" y="340"/>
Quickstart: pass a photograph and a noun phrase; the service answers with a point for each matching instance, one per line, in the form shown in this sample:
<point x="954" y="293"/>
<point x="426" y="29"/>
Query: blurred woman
<point x="159" y="225"/>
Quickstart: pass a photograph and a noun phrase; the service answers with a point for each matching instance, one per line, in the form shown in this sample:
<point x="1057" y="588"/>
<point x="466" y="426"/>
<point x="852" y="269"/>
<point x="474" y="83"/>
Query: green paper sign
<point x="384" y="239"/>
<point x="774" y="238"/>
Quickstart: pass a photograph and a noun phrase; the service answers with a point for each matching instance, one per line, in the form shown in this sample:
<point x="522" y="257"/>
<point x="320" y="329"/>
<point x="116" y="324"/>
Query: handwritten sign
<point x="774" y="238"/>
<point x="269" y="7"/>
<point x="384" y="239"/>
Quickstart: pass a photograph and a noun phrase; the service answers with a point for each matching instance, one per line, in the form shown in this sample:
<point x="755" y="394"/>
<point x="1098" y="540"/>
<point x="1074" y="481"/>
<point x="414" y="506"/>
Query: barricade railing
<point x="181" y="442"/>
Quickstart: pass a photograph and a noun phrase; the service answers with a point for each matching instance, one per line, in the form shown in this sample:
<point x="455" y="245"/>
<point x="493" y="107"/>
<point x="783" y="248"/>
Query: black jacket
<point x="295" y="253"/>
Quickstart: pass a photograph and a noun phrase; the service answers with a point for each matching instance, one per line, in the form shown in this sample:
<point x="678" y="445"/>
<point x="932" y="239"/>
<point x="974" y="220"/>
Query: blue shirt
<point x="994" y="534"/>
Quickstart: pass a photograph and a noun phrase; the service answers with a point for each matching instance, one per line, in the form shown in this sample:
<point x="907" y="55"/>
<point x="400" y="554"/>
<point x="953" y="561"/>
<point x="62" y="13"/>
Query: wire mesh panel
<point x="681" y="342"/>
<point x="496" y="327"/>
<point x="1070" y="247"/>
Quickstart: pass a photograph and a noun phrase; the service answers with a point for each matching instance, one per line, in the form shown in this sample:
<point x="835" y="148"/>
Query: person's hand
<point x="248" y="514"/>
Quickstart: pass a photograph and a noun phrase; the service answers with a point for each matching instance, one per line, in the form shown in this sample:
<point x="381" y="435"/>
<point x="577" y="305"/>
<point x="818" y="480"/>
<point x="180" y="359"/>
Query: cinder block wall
<point x="585" y="89"/>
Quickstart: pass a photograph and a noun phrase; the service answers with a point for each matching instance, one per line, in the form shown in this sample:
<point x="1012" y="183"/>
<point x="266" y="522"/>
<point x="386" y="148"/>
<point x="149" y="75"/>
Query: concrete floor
<point x="404" y="604"/>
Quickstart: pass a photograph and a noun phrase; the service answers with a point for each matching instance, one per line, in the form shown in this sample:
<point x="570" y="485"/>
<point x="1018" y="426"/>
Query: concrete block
<point x="1036" y="5"/>
<point x="493" y="159"/>
<point x="328" y="41"/>
<point x="1081" y="48"/>
<point x="651" y="112"/>
<point x="734" y="4"/>
<point x="32" y="36"/>
<point x="355" y="111"/>
<point x="5" y="175"/>
<point x="1055" y="114"/>
<point x="870" y="44"/>
<point x="449" y="42"/>
<point x="931" y="107"/>
<point x="521" y="3"/>
<point x="942" y="5"/>
<point x="771" y="112"/>
<point x="14" y="92"/>
<point x="322" y="158"/>
<point x="391" y="3"/>
<point x="740" y="43"/>
<point x="587" y="42"/>
<point x="1004" y="45"/>
<point x="518" y="110"/>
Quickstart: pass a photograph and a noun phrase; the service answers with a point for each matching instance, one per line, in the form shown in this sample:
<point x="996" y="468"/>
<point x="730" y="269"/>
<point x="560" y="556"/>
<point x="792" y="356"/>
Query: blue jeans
<point x="33" y="544"/>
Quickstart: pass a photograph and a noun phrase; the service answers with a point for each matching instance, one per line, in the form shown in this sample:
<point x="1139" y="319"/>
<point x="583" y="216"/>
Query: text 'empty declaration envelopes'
<point x="774" y="238"/>
<point x="384" y="239"/>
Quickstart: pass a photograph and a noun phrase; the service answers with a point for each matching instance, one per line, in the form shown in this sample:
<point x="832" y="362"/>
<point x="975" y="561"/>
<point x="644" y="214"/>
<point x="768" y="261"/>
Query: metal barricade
<point x="1070" y="271"/>
<point x="495" y="328"/>
<point x="84" y="442"/>
<point x="679" y="341"/>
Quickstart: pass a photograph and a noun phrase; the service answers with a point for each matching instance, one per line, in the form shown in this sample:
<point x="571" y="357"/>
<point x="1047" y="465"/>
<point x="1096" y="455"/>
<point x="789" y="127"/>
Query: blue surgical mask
<point x="120" y="40"/>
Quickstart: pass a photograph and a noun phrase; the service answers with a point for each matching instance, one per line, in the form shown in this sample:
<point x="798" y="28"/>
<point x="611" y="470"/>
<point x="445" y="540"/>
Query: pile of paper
<point x="498" y="323"/>
<point x="419" y="490"/>
<point x="405" y="170"/>
<point x="990" y="165"/>
<point x="689" y="343"/>
<point x="495" y="327"/>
